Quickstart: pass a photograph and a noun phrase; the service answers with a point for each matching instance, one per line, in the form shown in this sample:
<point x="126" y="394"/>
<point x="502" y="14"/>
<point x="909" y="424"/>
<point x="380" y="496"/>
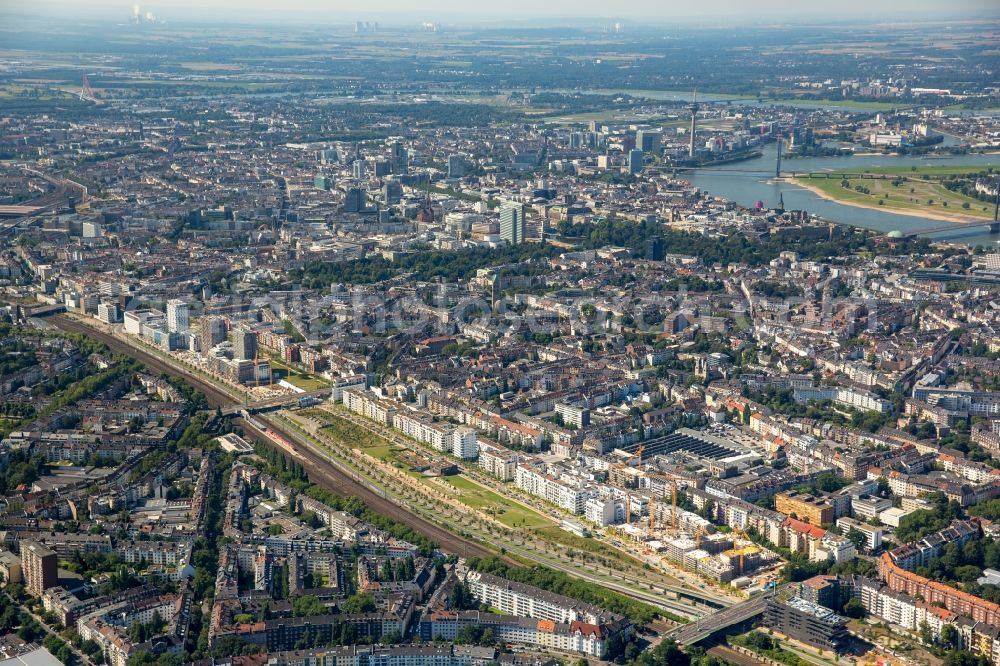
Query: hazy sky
<point x="511" y="10"/>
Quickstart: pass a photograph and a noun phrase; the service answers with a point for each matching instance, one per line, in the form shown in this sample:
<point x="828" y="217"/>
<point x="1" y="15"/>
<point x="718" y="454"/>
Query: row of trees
<point x="205" y="554"/>
<point x="561" y="583"/>
<point x="276" y="464"/>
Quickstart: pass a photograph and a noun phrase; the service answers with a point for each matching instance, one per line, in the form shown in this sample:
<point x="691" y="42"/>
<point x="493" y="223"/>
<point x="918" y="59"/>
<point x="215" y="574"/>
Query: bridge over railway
<point x="277" y="402"/>
<point x="745" y="612"/>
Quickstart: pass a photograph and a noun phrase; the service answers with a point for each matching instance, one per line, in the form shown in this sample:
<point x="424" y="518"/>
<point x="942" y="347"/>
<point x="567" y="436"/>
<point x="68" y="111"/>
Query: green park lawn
<point x="506" y="511"/>
<point x="900" y="188"/>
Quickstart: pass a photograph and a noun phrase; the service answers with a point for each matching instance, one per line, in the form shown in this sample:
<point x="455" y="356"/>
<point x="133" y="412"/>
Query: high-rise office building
<point x="354" y="200"/>
<point x="392" y="191"/>
<point x="400" y="158"/>
<point x="39" y="567"/>
<point x="655" y="249"/>
<point x="647" y="141"/>
<point x="244" y="344"/>
<point x="213" y="331"/>
<point x="512" y="222"/>
<point x="636" y="161"/>
<point x="456" y="166"/>
<point x="178" y="316"/>
<point x="360" y="169"/>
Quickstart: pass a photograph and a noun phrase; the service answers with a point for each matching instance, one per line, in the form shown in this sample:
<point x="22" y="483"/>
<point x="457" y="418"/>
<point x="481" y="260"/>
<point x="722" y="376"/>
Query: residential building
<point x="807" y="622"/>
<point x="177" y="316"/>
<point x="805" y="507"/>
<point x="39" y="567"/>
<point x="244" y="344"/>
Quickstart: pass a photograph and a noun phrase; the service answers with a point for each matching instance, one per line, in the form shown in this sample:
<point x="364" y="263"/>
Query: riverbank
<point x="746" y="191"/>
<point x="928" y="215"/>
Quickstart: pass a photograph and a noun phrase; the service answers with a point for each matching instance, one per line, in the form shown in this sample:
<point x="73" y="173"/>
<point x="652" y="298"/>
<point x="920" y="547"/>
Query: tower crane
<point x="743" y="551"/>
<point x="673" y="505"/>
<point x="673" y="501"/>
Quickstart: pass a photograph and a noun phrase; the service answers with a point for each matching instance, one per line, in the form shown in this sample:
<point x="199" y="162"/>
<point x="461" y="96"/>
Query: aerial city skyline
<point x="515" y="11"/>
<point x="374" y="334"/>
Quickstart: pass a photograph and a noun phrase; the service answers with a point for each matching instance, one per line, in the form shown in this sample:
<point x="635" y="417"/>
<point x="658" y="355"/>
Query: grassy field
<point x="354" y="436"/>
<point x="390" y="454"/>
<point x="590" y="545"/>
<point x="932" y="170"/>
<point x="506" y="511"/>
<point x="357" y="437"/>
<point x="298" y="379"/>
<point x="901" y="189"/>
<point x="45" y="92"/>
<point x="380" y="452"/>
<point x="211" y="66"/>
<point x="837" y="103"/>
<point x="625" y="115"/>
<point x="611" y="115"/>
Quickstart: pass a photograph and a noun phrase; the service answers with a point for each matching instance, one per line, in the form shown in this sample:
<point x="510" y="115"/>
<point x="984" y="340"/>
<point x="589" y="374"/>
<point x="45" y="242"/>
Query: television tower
<point x="694" y="123"/>
<point x="777" y="166"/>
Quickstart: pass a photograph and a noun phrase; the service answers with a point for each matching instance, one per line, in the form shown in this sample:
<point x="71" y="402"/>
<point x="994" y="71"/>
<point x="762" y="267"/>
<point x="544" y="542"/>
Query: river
<point x="753" y="180"/>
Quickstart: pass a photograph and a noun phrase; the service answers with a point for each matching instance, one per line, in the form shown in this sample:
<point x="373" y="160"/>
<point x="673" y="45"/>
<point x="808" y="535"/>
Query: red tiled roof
<point x="804" y="528"/>
<point x="586" y="629"/>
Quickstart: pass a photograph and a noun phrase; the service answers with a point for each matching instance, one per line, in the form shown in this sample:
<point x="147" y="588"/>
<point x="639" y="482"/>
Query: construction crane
<point x="673" y="501"/>
<point x="674" y="491"/>
<point x="743" y="551"/>
<point x="637" y="455"/>
<point x="257" y="363"/>
<point x="673" y="505"/>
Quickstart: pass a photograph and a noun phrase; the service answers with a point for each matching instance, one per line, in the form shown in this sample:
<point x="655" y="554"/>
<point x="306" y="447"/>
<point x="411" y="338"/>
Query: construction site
<point x="675" y="537"/>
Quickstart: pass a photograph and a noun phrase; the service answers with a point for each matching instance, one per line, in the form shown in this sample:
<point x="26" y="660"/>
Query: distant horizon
<point x="518" y="12"/>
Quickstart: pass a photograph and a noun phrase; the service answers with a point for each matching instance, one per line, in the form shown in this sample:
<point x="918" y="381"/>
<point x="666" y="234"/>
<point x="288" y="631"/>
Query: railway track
<point x="215" y="397"/>
<point x="332" y="478"/>
<point x="320" y="470"/>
